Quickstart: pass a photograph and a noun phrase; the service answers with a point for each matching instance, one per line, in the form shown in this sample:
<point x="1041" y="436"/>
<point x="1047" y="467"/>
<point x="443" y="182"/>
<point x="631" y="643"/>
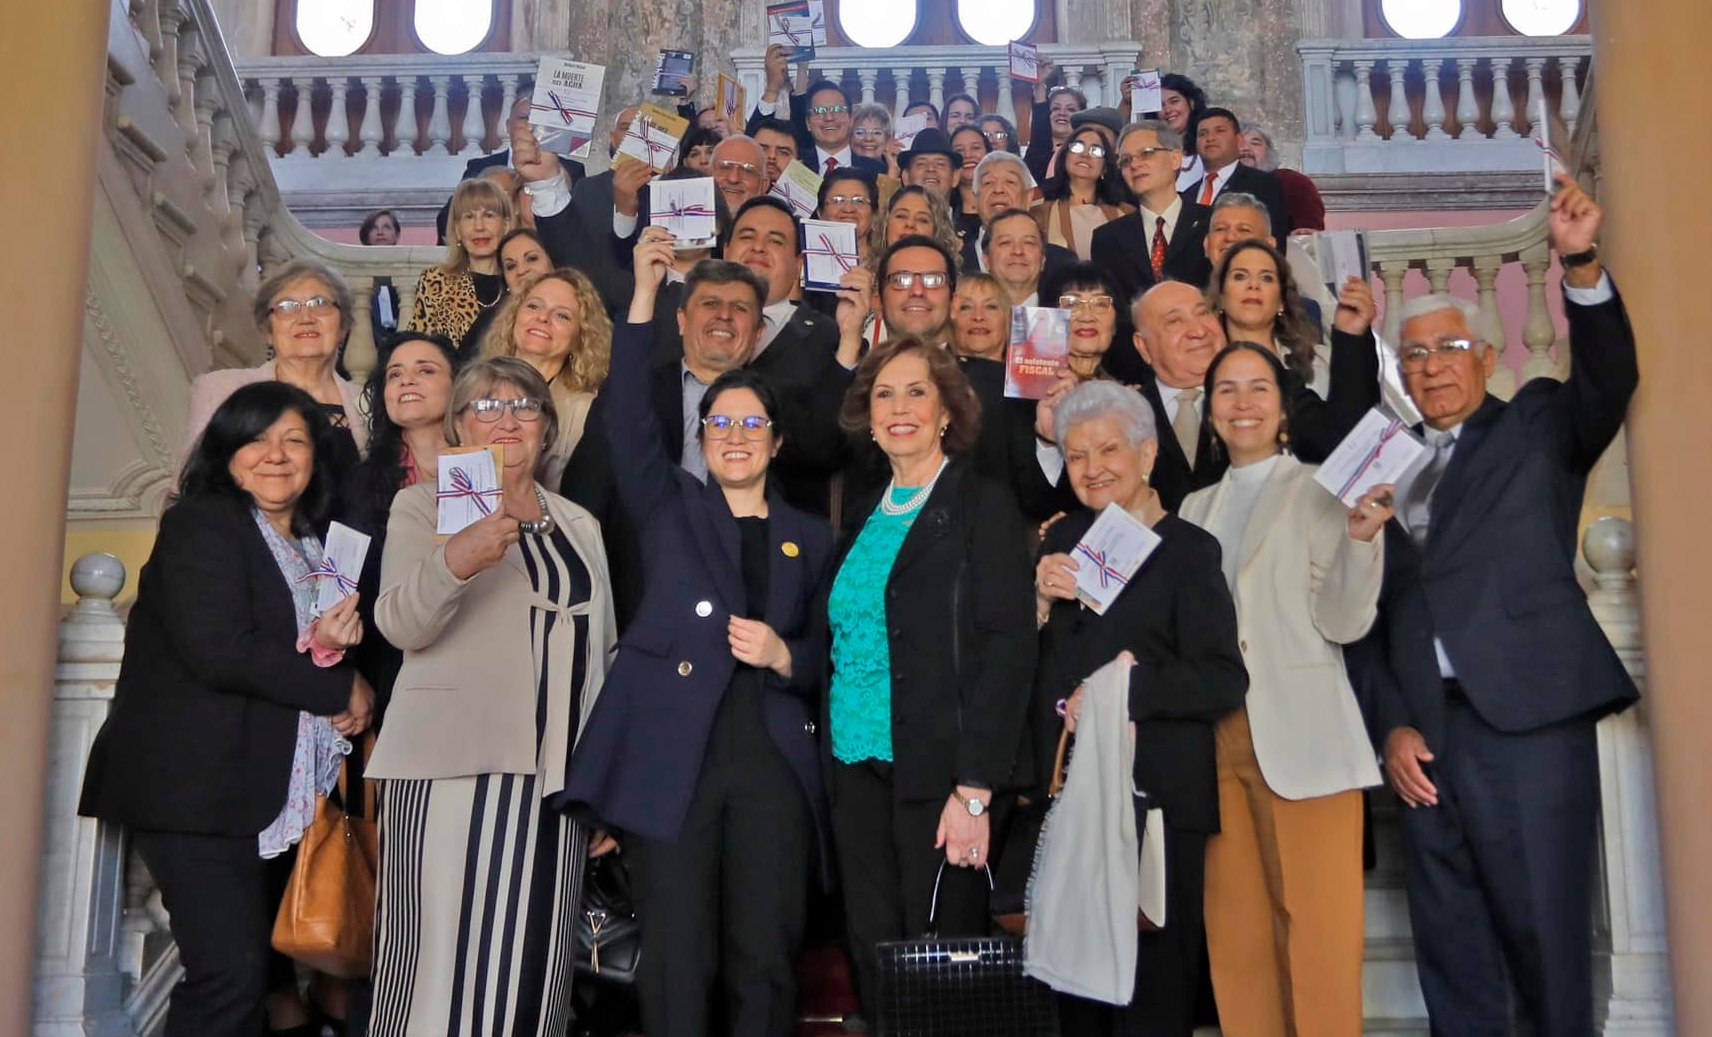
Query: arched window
<point x="1421" y="19"/>
<point x="452" y="26"/>
<point x="335" y="28"/>
<point x="878" y="23"/>
<point x="996" y="22"/>
<point x="1542" y="17"/>
<point x="1437" y="19"/>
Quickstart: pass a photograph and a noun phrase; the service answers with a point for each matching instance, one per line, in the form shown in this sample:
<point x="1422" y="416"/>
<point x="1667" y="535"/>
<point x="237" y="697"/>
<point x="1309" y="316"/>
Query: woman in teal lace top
<point x="933" y="642"/>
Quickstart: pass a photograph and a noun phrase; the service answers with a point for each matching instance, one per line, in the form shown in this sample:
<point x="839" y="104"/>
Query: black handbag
<point x="969" y="987"/>
<point x="609" y="939"/>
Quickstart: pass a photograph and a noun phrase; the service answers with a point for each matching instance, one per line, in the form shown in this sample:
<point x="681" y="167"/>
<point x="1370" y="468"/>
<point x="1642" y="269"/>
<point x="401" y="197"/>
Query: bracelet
<point x="1062" y="708"/>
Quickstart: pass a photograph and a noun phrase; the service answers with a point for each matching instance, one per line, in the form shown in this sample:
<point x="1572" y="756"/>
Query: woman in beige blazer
<point x="506" y="628"/>
<point x="304" y="310"/>
<point x="1284" y="885"/>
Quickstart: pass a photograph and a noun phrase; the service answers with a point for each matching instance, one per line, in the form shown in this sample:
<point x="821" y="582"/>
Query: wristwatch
<point x="1575" y="259"/>
<point x="975" y="807"/>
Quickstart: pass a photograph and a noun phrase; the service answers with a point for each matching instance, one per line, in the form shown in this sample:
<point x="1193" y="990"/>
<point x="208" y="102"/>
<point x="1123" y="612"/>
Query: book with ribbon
<point x="906" y="128"/>
<point x="1025" y="62"/>
<point x="1380" y="449"/>
<point x="733" y="100"/>
<point x="468" y="487"/>
<point x="800" y="186"/>
<point x="673" y="67"/>
<point x="1108" y="556"/>
<point x="1341" y="254"/>
<point x="1147" y="93"/>
<point x="686" y="208"/>
<point x="565" y="104"/>
<point x="652" y="138"/>
<point x="799" y="25"/>
<point x="343" y="551"/>
<point x="831" y="252"/>
<point x="1038" y="353"/>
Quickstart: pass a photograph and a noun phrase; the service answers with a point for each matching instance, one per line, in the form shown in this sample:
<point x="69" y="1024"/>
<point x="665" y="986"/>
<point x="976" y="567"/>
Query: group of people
<point x="779" y="592"/>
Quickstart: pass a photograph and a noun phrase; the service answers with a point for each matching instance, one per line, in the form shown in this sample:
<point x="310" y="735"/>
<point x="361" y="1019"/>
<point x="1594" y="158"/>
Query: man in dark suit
<point x="1218" y="141"/>
<point x="1486" y="672"/>
<point x="518" y="116"/>
<point x="1015" y="252"/>
<point x="820" y="115"/>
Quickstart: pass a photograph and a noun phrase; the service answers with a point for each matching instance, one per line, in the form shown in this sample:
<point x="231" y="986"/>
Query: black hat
<point x="930" y="142"/>
<point x="1105" y="118"/>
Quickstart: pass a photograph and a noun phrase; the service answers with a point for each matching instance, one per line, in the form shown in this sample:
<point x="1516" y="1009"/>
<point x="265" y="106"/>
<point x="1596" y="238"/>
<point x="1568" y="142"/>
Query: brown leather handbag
<point x="327" y="918"/>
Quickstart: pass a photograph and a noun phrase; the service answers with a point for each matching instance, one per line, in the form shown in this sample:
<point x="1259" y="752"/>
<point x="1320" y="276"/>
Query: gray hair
<point x="1438" y="302"/>
<point x="1094" y="400"/>
<point x="872" y="112"/>
<point x="1169" y="139"/>
<point x="1243" y="200"/>
<point x="1271" y="162"/>
<point x="297" y="269"/>
<point x="480" y="378"/>
<point x="997" y="159"/>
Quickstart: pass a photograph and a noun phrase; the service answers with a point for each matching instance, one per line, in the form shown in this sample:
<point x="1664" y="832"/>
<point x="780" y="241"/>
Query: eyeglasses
<point x="904" y="280"/>
<point x="860" y="200"/>
<point x="996" y="134"/>
<point x="1415" y="358"/>
<point x="292" y="307"/>
<point x="868" y="133"/>
<point x="1082" y="147"/>
<point x="489" y="411"/>
<point x="726" y="165"/>
<point x="829" y="109"/>
<point x="1100" y="304"/>
<point x="723" y="426"/>
<point x="1145" y="153"/>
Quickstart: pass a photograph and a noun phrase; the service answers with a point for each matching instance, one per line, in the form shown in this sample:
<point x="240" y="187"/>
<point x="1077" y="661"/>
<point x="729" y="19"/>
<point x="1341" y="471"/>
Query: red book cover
<point x="1039" y="351"/>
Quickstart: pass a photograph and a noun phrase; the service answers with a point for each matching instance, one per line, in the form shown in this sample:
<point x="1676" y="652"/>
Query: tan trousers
<point x="1284" y="903"/>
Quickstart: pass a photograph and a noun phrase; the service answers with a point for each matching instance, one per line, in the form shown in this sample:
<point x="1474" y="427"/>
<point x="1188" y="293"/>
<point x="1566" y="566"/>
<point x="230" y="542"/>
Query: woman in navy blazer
<point x="701" y="752"/>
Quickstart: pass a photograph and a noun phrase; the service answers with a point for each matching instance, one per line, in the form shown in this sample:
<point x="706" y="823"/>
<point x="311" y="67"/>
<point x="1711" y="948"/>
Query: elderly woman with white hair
<point x="1176" y="618"/>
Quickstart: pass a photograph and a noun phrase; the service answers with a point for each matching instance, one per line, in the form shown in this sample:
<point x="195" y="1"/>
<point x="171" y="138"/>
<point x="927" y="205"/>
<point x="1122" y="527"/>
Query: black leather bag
<point x="969" y="987"/>
<point x="609" y="939"/>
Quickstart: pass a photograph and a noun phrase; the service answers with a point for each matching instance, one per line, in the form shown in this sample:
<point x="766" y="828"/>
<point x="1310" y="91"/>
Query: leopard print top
<point x="447" y="303"/>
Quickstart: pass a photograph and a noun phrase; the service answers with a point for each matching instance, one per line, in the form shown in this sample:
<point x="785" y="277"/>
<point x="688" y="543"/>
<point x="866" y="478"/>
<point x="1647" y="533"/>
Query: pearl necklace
<point x="916" y="499"/>
<point x="541" y="526"/>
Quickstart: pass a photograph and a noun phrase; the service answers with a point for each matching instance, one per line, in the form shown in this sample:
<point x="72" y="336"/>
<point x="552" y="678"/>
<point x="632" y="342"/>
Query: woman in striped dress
<point x="506" y="628"/>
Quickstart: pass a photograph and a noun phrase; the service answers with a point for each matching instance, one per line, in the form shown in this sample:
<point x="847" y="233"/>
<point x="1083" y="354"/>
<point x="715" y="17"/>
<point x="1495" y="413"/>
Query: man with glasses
<point x="1163" y="238"/>
<point x="1486" y="671"/>
<point x="820" y="115"/>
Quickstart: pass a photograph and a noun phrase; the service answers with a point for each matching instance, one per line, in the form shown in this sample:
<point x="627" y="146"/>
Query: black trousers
<point x="1500" y="877"/>
<point x="727" y="901"/>
<point x="888" y="864"/>
<point x="223" y="898"/>
<point x="1168" y="965"/>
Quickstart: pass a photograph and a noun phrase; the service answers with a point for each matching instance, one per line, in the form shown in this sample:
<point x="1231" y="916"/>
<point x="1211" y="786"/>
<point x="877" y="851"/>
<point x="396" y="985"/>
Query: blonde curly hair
<point x="591" y="356"/>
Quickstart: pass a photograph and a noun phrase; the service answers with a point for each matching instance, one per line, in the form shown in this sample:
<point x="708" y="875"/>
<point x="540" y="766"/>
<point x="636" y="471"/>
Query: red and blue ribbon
<point x="328" y="571"/>
<point x="463" y="489"/>
<point x="1369" y="458"/>
<point x="1108" y="574"/>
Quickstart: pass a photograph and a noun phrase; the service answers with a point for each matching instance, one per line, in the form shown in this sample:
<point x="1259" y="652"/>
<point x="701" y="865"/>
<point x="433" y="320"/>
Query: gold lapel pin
<point x="790" y="549"/>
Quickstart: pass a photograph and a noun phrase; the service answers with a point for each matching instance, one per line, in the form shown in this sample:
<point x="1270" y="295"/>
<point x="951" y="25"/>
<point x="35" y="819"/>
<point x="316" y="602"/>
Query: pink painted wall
<point x="408" y="235"/>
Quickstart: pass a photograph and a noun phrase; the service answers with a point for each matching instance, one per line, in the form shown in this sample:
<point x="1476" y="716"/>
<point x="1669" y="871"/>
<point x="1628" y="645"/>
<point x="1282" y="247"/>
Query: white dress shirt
<point x="775" y="317"/>
<point x="1150" y="220"/>
<point x="1224" y="176"/>
<point x="1168" y="396"/>
<point x="842" y="155"/>
<point x="549" y="197"/>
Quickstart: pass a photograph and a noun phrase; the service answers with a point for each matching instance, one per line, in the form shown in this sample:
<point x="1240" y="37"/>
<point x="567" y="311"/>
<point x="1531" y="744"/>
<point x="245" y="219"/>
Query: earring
<point x="1147" y="478"/>
<point x="942" y="429"/>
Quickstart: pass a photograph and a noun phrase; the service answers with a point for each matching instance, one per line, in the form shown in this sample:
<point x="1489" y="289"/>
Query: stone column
<point x="57" y="51"/>
<point x="1657" y="227"/>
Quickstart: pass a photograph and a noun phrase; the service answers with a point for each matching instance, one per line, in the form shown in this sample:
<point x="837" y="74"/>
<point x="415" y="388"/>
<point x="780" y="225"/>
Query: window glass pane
<point x="453" y="26"/>
<point x="1542" y="17"/>
<point x="1421" y="19"/>
<point x="334" y="28"/>
<point x="877" y="23"/>
<point x="996" y="22"/>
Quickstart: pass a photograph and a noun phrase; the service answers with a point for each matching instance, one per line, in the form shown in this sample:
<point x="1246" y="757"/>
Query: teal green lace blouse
<point x="861" y="655"/>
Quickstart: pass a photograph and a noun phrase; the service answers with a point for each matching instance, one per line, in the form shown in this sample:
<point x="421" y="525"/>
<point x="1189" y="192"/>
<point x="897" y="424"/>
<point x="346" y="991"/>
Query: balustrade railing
<point x="1451" y="105"/>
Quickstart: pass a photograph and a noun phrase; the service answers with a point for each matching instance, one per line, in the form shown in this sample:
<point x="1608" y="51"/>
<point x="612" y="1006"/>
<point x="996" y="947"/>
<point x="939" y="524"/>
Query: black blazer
<point x="1316" y="426"/>
<point x="806" y="153"/>
<point x="1057" y="260"/>
<point x="1496" y="582"/>
<point x="960" y="626"/>
<point x="1124" y="249"/>
<point x="638" y="760"/>
<point x="1178" y="619"/>
<point x="1258" y="182"/>
<point x="580" y="236"/>
<point x="204" y="719"/>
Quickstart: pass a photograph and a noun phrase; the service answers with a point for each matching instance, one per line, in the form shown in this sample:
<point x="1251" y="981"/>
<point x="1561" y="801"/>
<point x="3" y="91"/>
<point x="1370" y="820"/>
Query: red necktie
<point x="1158" y="247"/>
<point x="831" y="164"/>
<point x="1207" y="186"/>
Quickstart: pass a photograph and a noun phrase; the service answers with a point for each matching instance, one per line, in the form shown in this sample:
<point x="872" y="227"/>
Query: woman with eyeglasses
<point x="1000" y="133"/>
<point x="871" y="136"/>
<point x="506" y="628"/>
<point x="1083" y="194"/>
<point x="304" y="311"/>
<point x="851" y="196"/>
<point x="458" y="298"/>
<point x="702" y="750"/>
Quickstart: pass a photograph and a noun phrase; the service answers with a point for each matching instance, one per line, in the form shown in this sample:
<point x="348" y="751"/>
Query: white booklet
<point x="831" y="251"/>
<point x="565" y="104"/>
<point x="907" y="127"/>
<point x="1147" y="94"/>
<point x="1108" y="556"/>
<point x="1378" y="450"/>
<point x="469" y="488"/>
<point x="800" y="186"/>
<point x="686" y="208"/>
<point x="342" y="555"/>
<point x="1341" y="254"/>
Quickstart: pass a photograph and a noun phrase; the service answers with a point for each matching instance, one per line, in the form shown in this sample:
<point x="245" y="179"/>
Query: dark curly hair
<point x="372" y="485"/>
<point x="1294" y="332"/>
<point x="245" y="416"/>
<point x="962" y="407"/>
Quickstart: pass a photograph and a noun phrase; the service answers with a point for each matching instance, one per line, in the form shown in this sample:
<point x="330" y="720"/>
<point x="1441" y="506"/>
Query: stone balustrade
<point x="1451" y="105"/>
